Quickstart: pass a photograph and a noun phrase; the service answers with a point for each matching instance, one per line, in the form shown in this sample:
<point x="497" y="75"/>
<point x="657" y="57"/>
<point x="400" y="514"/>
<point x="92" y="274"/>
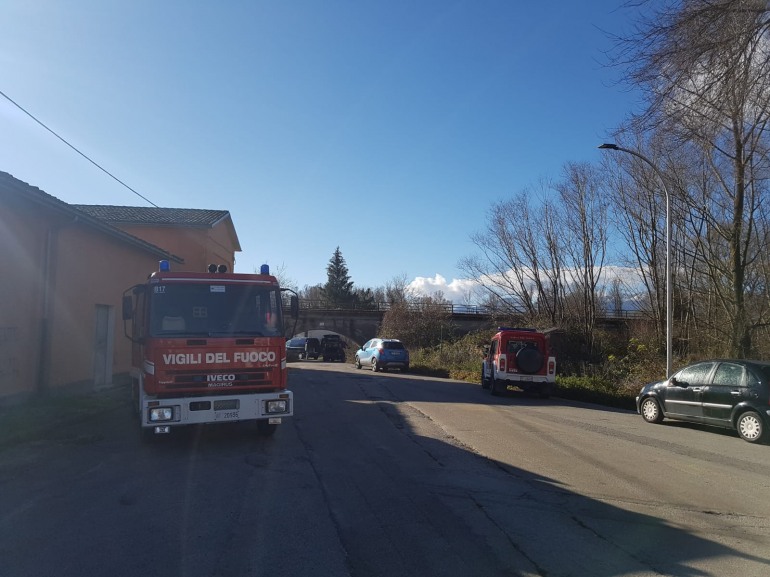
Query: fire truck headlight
<point x="161" y="414"/>
<point x="277" y="406"/>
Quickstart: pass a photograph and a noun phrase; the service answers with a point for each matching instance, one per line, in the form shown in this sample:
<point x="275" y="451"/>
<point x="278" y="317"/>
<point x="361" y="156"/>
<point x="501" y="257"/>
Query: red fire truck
<point x="208" y="348"/>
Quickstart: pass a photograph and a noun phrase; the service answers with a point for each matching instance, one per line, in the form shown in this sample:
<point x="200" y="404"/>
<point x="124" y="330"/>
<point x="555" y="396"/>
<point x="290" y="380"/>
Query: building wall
<point x="22" y="238"/>
<point x="63" y="277"/>
<point x="199" y="247"/>
<point x="88" y="271"/>
<point x="91" y="272"/>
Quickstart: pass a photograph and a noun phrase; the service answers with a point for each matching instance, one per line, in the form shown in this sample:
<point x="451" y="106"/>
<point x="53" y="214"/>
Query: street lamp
<point x="669" y="296"/>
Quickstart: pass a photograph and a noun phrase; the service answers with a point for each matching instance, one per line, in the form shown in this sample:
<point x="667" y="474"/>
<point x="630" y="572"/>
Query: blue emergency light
<point x="264" y="269"/>
<point x="164" y="266"/>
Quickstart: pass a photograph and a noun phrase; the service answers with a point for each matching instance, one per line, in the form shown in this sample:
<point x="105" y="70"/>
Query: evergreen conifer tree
<point x="338" y="290"/>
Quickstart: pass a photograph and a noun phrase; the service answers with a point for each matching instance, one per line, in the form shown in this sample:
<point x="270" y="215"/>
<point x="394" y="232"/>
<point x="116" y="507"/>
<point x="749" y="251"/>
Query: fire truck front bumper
<point x="218" y="409"/>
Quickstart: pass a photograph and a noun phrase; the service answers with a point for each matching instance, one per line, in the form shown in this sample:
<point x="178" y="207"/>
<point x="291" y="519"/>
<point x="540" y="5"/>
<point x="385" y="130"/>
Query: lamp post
<point x="669" y="295"/>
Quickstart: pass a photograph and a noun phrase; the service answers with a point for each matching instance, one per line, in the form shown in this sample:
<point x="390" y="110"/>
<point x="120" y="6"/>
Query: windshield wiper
<point x="235" y="333"/>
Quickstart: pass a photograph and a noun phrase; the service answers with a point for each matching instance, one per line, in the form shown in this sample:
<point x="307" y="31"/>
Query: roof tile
<point x="154" y="216"/>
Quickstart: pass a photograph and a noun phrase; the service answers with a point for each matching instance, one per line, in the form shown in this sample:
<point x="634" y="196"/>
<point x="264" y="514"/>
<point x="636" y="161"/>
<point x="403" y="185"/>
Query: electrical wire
<point x="104" y="170"/>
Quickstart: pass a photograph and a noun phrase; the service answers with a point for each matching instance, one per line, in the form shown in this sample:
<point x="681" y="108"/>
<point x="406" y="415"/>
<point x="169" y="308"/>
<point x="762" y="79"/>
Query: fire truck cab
<point x="208" y="347"/>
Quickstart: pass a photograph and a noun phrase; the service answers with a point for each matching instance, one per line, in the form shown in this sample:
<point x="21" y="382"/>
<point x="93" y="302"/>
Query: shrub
<point x="596" y="390"/>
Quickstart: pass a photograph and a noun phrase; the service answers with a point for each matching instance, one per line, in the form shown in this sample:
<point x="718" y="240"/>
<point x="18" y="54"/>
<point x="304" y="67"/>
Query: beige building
<point x="65" y="270"/>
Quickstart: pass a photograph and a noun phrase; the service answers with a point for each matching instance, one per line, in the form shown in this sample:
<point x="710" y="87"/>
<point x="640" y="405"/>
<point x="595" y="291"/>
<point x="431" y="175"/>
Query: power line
<point x="104" y="170"/>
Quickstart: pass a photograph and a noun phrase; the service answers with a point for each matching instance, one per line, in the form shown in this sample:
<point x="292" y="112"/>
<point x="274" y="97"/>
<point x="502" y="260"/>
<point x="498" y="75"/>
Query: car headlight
<point x="278" y="406"/>
<point x="161" y="414"/>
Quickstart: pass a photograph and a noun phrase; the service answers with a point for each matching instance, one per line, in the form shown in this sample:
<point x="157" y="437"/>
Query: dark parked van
<point x="312" y="348"/>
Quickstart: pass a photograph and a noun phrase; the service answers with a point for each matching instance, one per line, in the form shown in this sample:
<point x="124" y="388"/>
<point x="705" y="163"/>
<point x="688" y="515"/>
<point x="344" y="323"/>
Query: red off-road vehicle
<point x="519" y="358"/>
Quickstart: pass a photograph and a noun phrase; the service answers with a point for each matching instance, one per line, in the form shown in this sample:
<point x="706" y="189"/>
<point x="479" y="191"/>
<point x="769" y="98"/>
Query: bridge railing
<point x="451" y="308"/>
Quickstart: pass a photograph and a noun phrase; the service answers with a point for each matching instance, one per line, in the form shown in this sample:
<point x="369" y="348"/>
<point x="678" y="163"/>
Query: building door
<point x="104" y="336"/>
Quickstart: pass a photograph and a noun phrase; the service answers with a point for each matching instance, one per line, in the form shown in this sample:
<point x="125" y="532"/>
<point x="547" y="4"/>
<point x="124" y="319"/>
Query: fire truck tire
<point x="135" y="408"/>
<point x="266" y="429"/>
<point x="146" y="434"/>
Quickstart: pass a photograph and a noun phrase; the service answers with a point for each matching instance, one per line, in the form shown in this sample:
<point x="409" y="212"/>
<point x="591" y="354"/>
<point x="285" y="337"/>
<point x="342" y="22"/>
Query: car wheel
<point x="494" y="388"/>
<point x="650" y="410"/>
<point x="545" y="391"/>
<point x="265" y="428"/>
<point x="358" y="362"/>
<point x="375" y="368"/>
<point x="484" y="380"/>
<point x="750" y="427"/>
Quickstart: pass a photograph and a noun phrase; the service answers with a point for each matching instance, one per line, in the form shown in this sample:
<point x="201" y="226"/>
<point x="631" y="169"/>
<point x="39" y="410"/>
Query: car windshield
<point x="392" y="345"/>
<point x="214" y="309"/>
<point x="296" y="343"/>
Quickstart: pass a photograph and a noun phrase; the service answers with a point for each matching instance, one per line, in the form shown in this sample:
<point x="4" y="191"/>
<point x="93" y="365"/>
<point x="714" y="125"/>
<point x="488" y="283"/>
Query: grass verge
<point x="42" y="417"/>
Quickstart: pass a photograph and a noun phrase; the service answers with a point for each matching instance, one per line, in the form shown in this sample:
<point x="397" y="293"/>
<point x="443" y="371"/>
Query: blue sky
<point x="387" y="128"/>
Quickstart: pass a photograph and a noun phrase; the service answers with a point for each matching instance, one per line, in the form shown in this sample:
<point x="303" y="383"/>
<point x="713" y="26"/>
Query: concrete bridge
<point x="361" y="324"/>
<point x="358" y="325"/>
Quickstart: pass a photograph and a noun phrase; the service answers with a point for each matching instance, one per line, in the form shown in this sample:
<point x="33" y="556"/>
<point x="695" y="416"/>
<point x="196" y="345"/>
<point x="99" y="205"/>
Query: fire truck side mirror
<point x="128" y="307"/>
<point x="294" y="307"/>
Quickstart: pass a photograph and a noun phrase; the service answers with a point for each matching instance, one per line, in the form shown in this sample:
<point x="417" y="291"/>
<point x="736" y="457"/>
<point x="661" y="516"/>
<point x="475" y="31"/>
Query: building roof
<point x="143" y="215"/>
<point x="19" y="189"/>
<point x="155" y="216"/>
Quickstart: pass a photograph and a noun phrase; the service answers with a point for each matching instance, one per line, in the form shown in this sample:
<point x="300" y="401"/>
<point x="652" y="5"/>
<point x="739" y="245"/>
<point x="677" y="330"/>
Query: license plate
<point x="226" y="415"/>
<point x="525" y="378"/>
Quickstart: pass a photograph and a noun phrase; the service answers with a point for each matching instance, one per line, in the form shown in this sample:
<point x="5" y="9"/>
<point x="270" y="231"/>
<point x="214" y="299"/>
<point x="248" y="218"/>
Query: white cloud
<point x="458" y="291"/>
<point x="468" y="291"/>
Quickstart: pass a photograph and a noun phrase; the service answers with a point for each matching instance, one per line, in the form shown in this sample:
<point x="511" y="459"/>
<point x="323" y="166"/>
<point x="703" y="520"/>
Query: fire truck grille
<point x="219" y="380"/>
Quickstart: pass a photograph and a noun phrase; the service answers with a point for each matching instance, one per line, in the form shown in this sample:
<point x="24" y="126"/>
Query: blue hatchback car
<point x="383" y="354"/>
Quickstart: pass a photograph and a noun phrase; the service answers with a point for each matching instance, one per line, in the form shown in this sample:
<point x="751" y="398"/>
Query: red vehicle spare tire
<point x="529" y="360"/>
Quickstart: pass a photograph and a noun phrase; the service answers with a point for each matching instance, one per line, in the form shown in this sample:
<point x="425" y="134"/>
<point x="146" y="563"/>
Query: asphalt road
<point x="390" y="475"/>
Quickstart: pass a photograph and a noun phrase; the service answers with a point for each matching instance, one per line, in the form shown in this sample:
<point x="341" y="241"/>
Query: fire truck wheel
<point x="266" y="429"/>
<point x="135" y="408"/>
<point x="146" y="434"/>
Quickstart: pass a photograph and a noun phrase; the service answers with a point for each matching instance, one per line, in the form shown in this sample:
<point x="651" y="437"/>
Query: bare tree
<point x="705" y="68"/>
<point x="397" y="290"/>
<point x="520" y="264"/>
<point x="419" y="322"/>
<point x="584" y="209"/>
<point x="640" y="221"/>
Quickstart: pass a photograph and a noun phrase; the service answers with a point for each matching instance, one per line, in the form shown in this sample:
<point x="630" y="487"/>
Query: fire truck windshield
<point x="214" y="309"/>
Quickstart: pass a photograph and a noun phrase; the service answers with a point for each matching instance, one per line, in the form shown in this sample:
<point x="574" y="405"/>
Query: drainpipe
<point x="44" y="367"/>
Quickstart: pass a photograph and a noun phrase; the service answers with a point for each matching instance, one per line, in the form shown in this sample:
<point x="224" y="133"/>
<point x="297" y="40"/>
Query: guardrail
<point x="451" y="308"/>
